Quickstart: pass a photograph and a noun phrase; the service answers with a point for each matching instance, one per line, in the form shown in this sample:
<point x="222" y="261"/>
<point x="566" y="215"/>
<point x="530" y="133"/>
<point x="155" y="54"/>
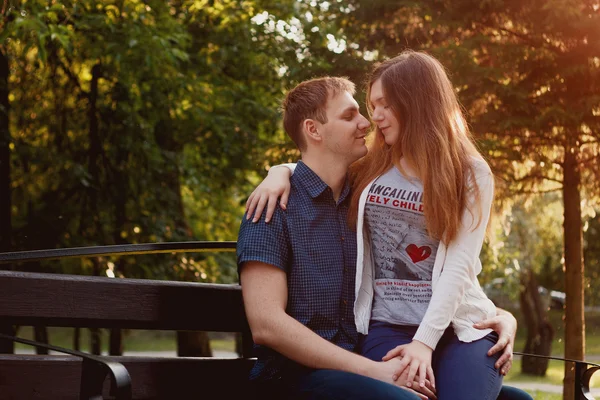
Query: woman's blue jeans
<point x="462" y="370"/>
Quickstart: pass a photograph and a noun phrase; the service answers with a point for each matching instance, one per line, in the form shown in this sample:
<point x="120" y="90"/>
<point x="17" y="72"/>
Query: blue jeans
<point x="322" y="384"/>
<point x="462" y="370"/>
<point x="330" y="384"/>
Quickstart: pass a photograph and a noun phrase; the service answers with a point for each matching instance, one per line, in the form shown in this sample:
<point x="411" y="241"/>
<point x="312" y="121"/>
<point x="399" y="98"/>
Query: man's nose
<point x="363" y="123"/>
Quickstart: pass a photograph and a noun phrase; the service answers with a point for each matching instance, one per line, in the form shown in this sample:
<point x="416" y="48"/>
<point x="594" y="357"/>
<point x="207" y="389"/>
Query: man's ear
<point x="311" y="129"/>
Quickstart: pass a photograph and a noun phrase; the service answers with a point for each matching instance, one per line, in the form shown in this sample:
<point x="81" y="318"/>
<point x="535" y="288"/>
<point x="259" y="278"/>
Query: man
<point x="298" y="271"/>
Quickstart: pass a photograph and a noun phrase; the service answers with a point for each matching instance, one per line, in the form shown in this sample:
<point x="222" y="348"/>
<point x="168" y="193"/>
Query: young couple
<point x="363" y="284"/>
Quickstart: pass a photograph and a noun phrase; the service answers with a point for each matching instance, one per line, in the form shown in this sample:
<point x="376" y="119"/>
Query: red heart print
<point x="418" y="253"/>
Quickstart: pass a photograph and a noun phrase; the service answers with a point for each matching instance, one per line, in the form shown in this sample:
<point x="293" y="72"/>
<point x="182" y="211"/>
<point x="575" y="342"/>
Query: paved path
<point x="544" y="387"/>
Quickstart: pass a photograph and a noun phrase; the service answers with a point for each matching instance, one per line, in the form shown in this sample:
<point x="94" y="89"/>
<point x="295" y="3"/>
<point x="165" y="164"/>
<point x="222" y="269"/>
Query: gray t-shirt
<point x="404" y="253"/>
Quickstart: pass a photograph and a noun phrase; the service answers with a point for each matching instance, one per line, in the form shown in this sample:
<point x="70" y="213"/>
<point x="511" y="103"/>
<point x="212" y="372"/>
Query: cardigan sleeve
<point x="459" y="268"/>
<point x="290" y="166"/>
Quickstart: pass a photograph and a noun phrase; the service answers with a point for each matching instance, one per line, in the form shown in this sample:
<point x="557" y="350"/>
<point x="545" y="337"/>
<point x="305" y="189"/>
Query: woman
<point x="421" y="203"/>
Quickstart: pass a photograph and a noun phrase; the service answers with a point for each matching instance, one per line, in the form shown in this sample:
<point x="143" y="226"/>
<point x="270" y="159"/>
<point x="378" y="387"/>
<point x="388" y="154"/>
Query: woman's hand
<point x="505" y="325"/>
<point x="386" y="372"/>
<point x="416" y="356"/>
<point x="277" y="183"/>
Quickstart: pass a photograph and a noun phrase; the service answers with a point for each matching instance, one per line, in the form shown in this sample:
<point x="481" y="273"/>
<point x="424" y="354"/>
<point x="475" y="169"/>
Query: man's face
<point x="345" y="130"/>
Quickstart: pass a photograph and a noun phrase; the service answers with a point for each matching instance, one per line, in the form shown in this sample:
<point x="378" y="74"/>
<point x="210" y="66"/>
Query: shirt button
<point x="342" y="238"/>
<point x="345" y="302"/>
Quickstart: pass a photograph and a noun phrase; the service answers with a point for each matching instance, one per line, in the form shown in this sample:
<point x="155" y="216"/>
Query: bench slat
<point x="98" y="302"/>
<point x="58" y="377"/>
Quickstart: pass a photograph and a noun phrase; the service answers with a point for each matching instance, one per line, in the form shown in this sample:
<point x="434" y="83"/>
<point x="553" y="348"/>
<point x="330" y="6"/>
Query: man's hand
<point x="386" y="370"/>
<point x="505" y="325"/>
<point x="416" y="358"/>
<point x="277" y="183"/>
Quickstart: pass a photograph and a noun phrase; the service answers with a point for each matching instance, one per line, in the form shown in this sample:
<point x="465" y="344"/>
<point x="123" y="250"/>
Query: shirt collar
<point x="315" y="185"/>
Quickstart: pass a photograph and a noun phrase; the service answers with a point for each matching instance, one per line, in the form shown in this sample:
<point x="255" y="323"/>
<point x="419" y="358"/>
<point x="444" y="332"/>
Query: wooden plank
<point x="98" y="302"/>
<point x="58" y="377"/>
<point x="29" y="377"/>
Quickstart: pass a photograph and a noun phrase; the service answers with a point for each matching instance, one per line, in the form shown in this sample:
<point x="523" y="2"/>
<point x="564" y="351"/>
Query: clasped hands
<point x="415" y="365"/>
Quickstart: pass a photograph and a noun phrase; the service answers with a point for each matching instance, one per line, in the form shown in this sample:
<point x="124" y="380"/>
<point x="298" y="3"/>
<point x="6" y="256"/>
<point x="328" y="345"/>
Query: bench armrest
<point x="583" y="374"/>
<point x="93" y="372"/>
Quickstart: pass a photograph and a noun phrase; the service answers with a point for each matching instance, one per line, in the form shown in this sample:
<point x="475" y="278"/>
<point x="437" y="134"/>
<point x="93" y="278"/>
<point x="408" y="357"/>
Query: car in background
<point x="557" y="299"/>
<point x="499" y="291"/>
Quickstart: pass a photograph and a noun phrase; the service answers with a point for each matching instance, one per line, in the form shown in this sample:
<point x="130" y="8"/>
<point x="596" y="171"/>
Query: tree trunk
<point x="95" y="337"/>
<point x="94" y="153"/>
<point x="95" y="341"/>
<point x="193" y="344"/>
<point x="76" y="339"/>
<point x="189" y="344"/>
<point x="5" y="187"/>
<point x="573" y="233"/>
<point x="41" y="335"/>
<point x="120" y="195"/>
<point x="115" y="342"/>
<point x="239" y="344"/>
<point x="5" y="139"/>
<point x="539" y="331"/>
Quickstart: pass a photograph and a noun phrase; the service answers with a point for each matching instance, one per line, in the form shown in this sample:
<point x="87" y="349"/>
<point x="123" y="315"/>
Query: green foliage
<point x="138" y="122"/>
<point x="184" y="118"/>
<point x="527" y="235"/>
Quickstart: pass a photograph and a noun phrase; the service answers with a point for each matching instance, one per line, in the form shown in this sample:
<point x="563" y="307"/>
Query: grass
<point x="592" y="332"/>
<point x="554" y="374"/>
<point x="139" y="340"/>
<point x="133" y="340"/>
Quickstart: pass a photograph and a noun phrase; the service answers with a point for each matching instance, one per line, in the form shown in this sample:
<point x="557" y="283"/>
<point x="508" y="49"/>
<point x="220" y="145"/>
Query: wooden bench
<point x="36" y="299"/>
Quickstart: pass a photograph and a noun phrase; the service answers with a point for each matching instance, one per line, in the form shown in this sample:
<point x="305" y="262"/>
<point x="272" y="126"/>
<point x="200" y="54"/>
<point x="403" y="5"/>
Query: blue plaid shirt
<point x="313" y="244"/>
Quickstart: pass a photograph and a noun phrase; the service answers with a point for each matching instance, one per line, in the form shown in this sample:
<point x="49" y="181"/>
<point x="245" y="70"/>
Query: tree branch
<point x="71" y="77"/>
<point x="523" y="37"/>
<point x="588" y="160"/>
<point x="537" y="177"/>
<point x="538" y="191"/>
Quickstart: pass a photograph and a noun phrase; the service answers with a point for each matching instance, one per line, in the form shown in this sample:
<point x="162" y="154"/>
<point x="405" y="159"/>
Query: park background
<point x="130" y="121"/>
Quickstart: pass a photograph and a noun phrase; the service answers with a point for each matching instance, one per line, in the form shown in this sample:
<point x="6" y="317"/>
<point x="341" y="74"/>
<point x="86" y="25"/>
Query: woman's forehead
<point x="376" y="93"/>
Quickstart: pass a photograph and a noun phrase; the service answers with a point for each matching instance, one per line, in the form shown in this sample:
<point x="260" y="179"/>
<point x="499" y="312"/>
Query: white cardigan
<point x="457" y="297"/>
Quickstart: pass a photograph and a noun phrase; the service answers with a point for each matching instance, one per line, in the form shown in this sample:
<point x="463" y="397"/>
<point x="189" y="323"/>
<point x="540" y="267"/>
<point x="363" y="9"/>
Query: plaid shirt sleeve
<point x="267" y="243"/>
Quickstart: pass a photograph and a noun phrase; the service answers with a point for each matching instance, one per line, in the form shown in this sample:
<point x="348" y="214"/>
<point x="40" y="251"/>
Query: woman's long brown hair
<point x="434" y="138"/>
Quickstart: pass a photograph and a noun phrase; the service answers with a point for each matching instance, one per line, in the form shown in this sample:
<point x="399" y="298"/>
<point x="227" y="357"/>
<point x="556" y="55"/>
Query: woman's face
<point x="383" y="116"/>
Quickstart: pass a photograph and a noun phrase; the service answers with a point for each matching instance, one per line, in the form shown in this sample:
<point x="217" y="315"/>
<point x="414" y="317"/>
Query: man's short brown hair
<point x="309" y="100"/>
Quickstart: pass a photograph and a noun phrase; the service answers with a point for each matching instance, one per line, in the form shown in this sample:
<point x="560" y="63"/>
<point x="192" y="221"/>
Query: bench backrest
<point x="98" y="302"/>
